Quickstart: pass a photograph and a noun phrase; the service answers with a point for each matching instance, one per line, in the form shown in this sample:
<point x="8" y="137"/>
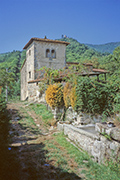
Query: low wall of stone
<point x="34" y="93"/>
<point x="97" y="146"/>
<point x="84" y="118"/>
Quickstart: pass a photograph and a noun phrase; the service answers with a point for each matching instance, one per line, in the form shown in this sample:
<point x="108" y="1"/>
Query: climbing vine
<point x="94" y="97"/>
<point x="54" y="95"/>
<point x="66" y="94"/>
<point x="82" y="93"/>
<point x="73" y="97"/>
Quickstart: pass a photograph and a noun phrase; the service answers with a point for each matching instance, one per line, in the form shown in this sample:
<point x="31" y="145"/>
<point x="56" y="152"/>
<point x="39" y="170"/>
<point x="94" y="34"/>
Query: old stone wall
<point x="95" y="144"/>
<point x="27" y="71"/>
<point x="30" y="62"/>
<point x="41" y="60"/>
<point x="34" y="93"/>
<point x="36" y="58"/>
<point x="24" y="84"/>
<point x="84" y="118"/>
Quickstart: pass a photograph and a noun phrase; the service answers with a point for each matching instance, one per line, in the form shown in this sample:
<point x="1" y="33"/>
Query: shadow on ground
<point x="28" y="161"/>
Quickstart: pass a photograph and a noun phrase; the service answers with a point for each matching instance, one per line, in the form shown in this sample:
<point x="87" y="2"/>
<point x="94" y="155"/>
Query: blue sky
<point x="88" y="21"/>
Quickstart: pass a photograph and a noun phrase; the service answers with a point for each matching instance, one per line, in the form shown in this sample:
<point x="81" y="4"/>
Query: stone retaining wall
<point x="95" y="144"/>
<point x="84" y="118"/>
<point x="34" y="93"/>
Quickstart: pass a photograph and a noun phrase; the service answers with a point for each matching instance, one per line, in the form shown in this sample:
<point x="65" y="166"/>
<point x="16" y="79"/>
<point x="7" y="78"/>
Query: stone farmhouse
<point x="39" y="53"/>
<point x="49" y="53"/>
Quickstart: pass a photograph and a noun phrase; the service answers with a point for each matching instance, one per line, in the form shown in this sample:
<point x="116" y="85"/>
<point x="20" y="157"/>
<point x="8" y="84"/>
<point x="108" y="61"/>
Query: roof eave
<point x="44" y="40"/>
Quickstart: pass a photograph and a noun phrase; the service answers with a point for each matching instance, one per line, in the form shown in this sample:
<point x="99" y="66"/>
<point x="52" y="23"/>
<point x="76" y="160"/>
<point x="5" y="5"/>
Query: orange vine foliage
<point x="73" y="97"/>
<point x="54" y="95"/>
<point x="66" y="94"/>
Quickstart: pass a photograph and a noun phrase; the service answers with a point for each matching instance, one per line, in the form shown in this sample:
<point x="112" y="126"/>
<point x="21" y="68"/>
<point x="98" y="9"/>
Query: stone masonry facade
<point x="39" y="53"/>
<point x="24" y="83"/>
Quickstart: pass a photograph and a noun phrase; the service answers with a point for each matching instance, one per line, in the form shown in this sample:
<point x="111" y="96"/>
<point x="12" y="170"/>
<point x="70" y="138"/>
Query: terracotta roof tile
<point x="100" y="70"/>
<point x="66" y="74"/>
<point x="74" y="63"/>
<point x="36" y="80"/>
<point x="88" y="64"/>
<point x="44" y="40"/>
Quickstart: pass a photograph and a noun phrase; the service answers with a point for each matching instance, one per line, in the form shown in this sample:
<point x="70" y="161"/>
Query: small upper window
<point x="29" y="52"/>
<point x="53" y="54"/>
<point x="47" y="53"/>
<point x="29" y="74"/>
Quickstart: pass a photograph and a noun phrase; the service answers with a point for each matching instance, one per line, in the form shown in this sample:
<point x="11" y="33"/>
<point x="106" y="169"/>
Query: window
<point x="50" y="53"/>
<point x="29" y="74"/>
<point x="29" y="52"/>
<point x="47" y="53"/>
<point x="53" y="54"/>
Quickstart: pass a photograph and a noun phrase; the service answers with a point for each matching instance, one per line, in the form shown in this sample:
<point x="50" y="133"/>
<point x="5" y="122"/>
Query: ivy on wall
<point x="83" y="93"/>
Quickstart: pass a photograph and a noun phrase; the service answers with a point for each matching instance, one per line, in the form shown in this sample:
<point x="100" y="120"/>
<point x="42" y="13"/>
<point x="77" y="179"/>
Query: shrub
<point x="94" y="97"/>
<point x="54" y="95"/>
<point x="117" y="103"/>
<point x="73" y="97"/>
<point x="2" y="108"/>
<point x="66" y="94"/>
<point x="42" y="87"/>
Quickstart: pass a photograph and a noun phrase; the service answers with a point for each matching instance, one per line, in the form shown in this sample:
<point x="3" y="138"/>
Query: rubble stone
<point x="97" y="146"/>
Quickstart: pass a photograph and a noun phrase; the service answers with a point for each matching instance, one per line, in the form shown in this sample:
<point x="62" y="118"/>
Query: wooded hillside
<point x="75" y="52"/>
<point x="104" y="48"/>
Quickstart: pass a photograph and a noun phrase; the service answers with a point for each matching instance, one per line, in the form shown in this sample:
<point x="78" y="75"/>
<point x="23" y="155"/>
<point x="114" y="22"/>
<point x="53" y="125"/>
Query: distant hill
<point x="12" y="60"/>
<point x="103" y="48"/>
<point x="77" y="52"/>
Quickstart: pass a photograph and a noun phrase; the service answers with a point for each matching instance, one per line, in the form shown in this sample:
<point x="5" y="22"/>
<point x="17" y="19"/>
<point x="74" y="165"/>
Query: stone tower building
<point x="39" y="53"/>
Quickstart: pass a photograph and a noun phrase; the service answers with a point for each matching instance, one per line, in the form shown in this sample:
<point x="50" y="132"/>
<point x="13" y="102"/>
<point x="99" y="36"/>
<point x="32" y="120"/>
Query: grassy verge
<point x="94" y="170"/>
<point x="27" y="122"/>
<point x="52" y="156"/>
<point x="41" y="110"/>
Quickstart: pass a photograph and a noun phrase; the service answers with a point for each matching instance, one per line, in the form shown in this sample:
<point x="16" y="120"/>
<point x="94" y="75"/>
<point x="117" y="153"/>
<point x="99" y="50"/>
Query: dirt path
<point x="31" y="149"/>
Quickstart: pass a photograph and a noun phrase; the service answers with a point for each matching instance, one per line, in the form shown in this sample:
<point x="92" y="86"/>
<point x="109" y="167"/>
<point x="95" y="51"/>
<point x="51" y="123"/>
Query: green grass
<point x="57" y="155"/>
<point x="95" y="171"/>
<point x="41" y="109"/>
<point x="27" y="122"/>
<point x="61" y="154"/>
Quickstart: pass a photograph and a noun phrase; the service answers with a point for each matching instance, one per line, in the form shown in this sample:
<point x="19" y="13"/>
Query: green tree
<point x="6" y="78"/>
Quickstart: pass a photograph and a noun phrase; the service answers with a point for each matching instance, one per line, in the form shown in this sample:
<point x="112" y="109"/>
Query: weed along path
<point x="34" y="147"/>
<point x="37" y="151"/>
